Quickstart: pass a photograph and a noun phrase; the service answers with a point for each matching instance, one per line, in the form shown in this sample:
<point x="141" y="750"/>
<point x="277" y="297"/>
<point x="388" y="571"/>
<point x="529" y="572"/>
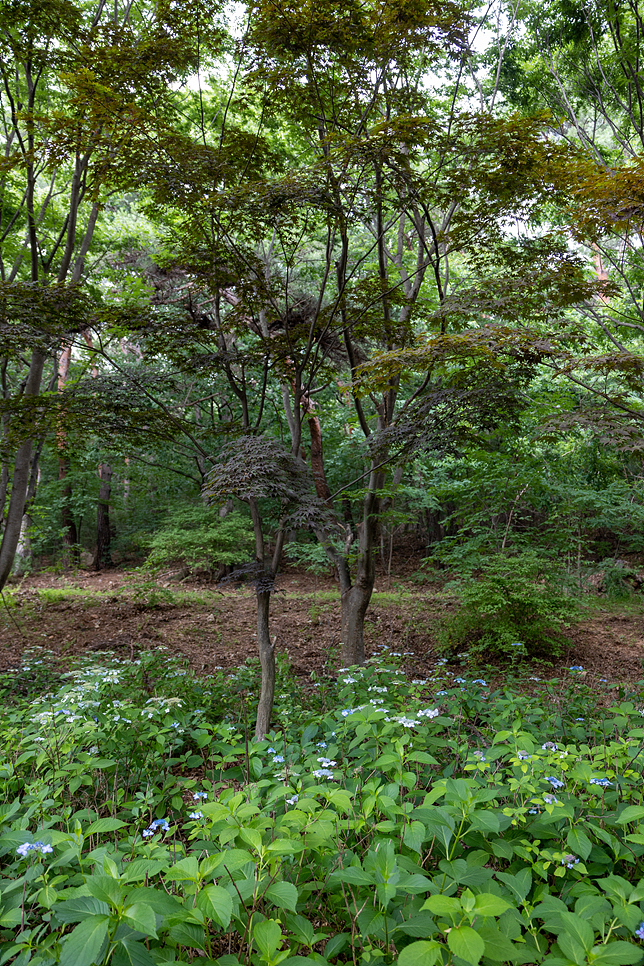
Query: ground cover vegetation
<point x="357" y="290"/>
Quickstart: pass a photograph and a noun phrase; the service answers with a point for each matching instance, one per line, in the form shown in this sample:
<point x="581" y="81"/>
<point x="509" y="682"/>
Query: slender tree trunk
<point x="20" y="479"/>
<point x="355" y="601"/>
<point x="69" y="532"/>
<point x="267" y="662"/>
<point x="103" y="557"/>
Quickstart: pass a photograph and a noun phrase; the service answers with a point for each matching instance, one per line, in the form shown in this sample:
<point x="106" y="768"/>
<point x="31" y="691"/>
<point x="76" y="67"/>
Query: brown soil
<point x="214" y="627"/>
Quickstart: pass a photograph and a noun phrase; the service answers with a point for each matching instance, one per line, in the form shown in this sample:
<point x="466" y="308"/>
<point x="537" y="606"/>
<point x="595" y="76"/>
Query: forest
<point x="321" y="482"/>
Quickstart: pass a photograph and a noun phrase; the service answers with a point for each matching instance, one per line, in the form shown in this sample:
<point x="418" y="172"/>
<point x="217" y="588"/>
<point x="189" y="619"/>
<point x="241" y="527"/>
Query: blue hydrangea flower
<point x="196" y="815"/>
<point x="640" y="931"/>
<point x="569" y="861"/>
<point x="278" y="758"/>
<point x="549" y="746"/>
<point x="602" y="782"/>
<point x="555" y="782"/>
<point x="480" y="681"/>
<point x="197" y="795"/>
<point x="322" y="773"/>
<point x="147" y="832"/>
<point x="293" y="800"/>
<point x="271" y="751"/>
<point x="26" y="847"/>
<point x="576" y="667"/>
<point x="550" y="799"/>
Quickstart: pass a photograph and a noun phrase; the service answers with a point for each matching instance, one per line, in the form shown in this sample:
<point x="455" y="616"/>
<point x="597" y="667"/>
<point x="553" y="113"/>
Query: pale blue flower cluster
<point x="196" y="815"/>
<point x="640" y="932"/>
<point x="569" y="861"/>
<point x="158" y="823"/>
<point x="602" y="782"/>
<point x="322" y="773"/>
<point x="278" y="759"/>
<point x="197" y="795"/>
<point x="27" y="847"/>
<point x="555" y="782"/>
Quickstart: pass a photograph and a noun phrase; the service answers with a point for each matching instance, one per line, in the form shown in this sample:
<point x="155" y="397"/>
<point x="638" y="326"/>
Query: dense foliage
<point x="430" y="822"/>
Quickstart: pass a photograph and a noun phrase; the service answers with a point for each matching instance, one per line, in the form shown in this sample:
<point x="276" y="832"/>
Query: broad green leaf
<point x="571" y="948"/>
<point x="216" y="903"/>
<point x="486" y="904"/>
<point x="423" y="953"/>
<point x="141" y="917"/>
<point x="353" y="875"/>
<point x="442" y="905"/>
<point x="618" y="953"/>
<point x="76" y="910"/>
<point x="579" y="929"/>
<point x="284" y="895"/>
<point x="579" y="843"/>
<point x="128" y="952"/>
<point x="466" y="943"/>
<point x="85" y="944"/>
<point x="336" y="944"/>
<point x="267" y="936"/>
<point x="106" y="888"/>
<point x="253" y="836"/>
<point x="632" y="813"/>
<point x="186" y="870"/>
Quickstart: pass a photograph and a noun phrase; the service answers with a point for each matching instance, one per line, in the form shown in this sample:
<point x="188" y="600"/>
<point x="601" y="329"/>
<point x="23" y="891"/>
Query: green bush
<point x="197" y="538"/>
<point x="438" y="823"/>
<point x="516" y="600"/>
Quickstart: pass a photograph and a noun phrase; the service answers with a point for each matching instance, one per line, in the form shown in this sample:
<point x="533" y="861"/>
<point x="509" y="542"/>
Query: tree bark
<point x="355" y="601"/>
<point x="20" y="479"/>
<point x="267" y="662"/>
<point x="103" y="557"/>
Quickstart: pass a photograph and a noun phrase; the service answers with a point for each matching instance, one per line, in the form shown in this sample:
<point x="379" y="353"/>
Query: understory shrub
<point x="196" y="538"/>
<point x="431" y="822"/>
<point x="524" y="599"/>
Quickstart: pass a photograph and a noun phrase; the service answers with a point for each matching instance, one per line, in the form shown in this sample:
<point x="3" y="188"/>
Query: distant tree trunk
<point x="69" y="532"/>
<point x="22" y="560"/>
<point x="103" y="557"/>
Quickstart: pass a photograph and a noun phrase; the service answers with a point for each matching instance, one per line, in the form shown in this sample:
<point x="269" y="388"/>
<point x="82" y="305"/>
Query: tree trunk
<point x="356" y="600"/>
<point x="69" y="532"/>
<point x="102" y="557"/>
<point x="20" y="480"/>
<point x="267" y="662"/>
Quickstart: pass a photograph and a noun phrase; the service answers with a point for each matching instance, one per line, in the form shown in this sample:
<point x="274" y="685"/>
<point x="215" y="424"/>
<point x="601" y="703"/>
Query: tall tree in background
<point x="78" y="82"/>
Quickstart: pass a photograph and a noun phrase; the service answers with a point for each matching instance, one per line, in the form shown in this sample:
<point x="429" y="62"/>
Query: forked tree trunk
<point x="103" y="557"/>
<point x="355" y="601"/>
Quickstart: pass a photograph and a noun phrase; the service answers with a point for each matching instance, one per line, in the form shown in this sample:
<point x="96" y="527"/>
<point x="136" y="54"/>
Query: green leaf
<point x="85" y="944"/>
<point x="106" y="888"/>
<point x="128" y="952"/>
<point x="353" y="875"/>
<point x="486" y="904"/>
<point x="423" y="953"/>
<point x="579" y="843"/>
<point x="519" y="884"/>
<point x="579" y="929"/>
<point x="141" y="917"/>
<point x="466" y="943"/>
<point x="267" y="936"/>
<point x="216" y="903"/>
<point x="442" y="905"/>
<point x="284" y="895"/>
<point x="632" y="813"/>
<point x="616" y="954"/>
<point x="186" y="870"/>
<point x="76" y="910"/>
<point x="336" y="944"/>
<point x="103" y="825"/>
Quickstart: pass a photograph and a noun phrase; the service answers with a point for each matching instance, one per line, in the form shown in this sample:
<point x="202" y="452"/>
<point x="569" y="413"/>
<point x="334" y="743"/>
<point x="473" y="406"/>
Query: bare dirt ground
<point x="84" y="613"/>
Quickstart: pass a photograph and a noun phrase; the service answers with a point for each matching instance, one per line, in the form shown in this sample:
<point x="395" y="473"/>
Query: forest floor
<point x="214" y="627"/>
